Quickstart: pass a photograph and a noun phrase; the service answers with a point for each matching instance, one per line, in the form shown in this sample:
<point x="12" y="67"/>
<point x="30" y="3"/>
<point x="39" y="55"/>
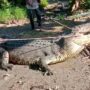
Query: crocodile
<point x="43" y="52"/>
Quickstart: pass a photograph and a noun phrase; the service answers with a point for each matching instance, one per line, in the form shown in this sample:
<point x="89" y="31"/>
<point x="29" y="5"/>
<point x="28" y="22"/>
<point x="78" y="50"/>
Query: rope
<point x="44" y="38"/>
<point x="53" y="19"/>
<point x="26" y="39"/>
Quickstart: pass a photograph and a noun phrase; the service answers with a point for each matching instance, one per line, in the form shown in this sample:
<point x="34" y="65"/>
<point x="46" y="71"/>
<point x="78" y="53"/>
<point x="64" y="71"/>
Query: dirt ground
<point x="73" y="74"/>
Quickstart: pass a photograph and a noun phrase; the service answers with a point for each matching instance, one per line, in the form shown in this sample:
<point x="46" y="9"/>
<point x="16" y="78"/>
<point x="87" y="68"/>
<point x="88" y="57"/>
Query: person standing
<point x="33" y="9"/>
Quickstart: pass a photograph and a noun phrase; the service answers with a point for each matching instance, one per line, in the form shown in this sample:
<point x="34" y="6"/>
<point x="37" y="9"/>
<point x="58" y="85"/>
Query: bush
<point x="86" y="4"/>
<point x="44" y="3"/>
<point x="5" y="15"/>
<point x="12" y="13"/>
<point x="10" y="10"/>
<point x="4" y="3"/>
<point x="18" y="13"/>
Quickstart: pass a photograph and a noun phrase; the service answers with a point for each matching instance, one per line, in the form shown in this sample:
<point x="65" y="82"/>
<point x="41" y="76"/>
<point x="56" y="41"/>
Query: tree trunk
<point x="75" y="5"/>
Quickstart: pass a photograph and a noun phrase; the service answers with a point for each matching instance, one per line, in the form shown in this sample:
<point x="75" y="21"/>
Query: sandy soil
<point x="73" y="74"/>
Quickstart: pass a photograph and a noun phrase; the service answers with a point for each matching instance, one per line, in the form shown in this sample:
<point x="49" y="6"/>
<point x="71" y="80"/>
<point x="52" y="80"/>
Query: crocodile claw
<point x="48" y="73"/>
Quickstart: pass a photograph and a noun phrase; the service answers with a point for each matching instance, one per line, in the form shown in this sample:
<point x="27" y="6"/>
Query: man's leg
<point x="31" y="17"/>
<point x="38" y="17"/>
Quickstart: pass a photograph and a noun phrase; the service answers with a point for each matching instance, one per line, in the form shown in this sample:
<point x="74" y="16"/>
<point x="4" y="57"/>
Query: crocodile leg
<point x="4" y="60"/>
<point x="3" y="67"/>
<point x="9" y="66"/>
<point x="44" y="67"/>
<point x="86" y="52"/>
<point x="6" y="66"/>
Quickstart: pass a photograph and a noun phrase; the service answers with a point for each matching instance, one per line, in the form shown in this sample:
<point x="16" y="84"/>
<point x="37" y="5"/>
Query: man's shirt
<point x="34" y="5"/>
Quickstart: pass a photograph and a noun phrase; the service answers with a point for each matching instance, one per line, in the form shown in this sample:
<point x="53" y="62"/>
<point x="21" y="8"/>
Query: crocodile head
<point x="82" y="29"/>
<point x="82" y="39"/>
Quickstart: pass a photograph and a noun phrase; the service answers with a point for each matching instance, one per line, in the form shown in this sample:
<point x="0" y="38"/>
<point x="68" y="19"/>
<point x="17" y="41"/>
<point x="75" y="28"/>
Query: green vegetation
<point x="12" y="13"/>
<point x="44" y="3"/>
<point x="79" y="4"/>
<point x="4" y="4"/>
<point x="18" y="13"/>
<point x="86" y="4"/>
<point x="14" y="10"/>
<point x="60" y="17"/>
<point x="5" y="15"/>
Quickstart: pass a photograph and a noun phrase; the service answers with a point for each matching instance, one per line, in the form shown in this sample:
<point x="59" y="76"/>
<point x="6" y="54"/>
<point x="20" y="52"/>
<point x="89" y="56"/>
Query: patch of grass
<point x="86" y="4"/>
<point x="44" y="3"/>
<point x="5" y="15"/>
<point x="18" y="13"/>
<point x="60" y="17"/>
<point x="12" y="13"/>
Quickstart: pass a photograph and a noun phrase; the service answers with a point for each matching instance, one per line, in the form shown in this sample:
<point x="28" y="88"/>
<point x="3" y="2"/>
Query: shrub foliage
<point x="14" y="10"/>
